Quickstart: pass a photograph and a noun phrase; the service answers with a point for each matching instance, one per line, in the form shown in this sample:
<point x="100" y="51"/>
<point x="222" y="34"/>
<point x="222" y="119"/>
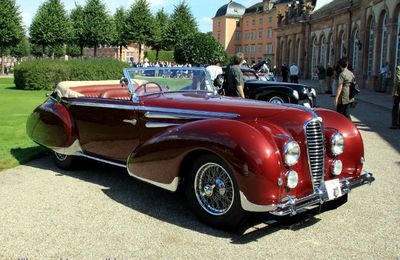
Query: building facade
<point x="248" y="30"/>
<point x="129" y="53"/>
<point x="367" y="32"/>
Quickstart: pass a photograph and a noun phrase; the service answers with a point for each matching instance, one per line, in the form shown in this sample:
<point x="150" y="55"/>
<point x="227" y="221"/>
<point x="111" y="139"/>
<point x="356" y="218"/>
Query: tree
<point x="159" y="41"/>
<point x="182" y="24"/>
<point x="78" y="28"/>
<point x="120" y="28"/>
<point x="23" y="49"/>
<point x="199" y="48"/>
<point x="51" y="26"/>
<point x="99" y="27"/>
<point x="140" y="24"/>
<point x="11" y="30"/>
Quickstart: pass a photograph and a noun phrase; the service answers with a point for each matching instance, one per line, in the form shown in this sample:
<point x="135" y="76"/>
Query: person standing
<point x="294" y="73"/>
<point x="329" y="75"/>
<point x="234" y="77"/>
<point x="321" y="78"/>
<point x="396" y="101"/>
<point x="285" y="73"/>
<point x="342" y="99"/>
<point x="214" y="71"/>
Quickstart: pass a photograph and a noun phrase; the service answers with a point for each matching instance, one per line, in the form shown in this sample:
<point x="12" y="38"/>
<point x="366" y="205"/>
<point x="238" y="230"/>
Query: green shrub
<point x="46" y="74"/>
<point x="162" y="55"/>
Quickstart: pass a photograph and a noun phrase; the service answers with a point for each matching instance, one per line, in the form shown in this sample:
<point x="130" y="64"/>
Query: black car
<point x="259" y="88"/>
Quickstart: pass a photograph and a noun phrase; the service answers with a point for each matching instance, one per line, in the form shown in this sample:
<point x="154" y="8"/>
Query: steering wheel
<point x="144" y="86"/>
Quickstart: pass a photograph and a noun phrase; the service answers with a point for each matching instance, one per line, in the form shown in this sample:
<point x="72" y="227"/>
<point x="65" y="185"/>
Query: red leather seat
<point x="117" y="93"/>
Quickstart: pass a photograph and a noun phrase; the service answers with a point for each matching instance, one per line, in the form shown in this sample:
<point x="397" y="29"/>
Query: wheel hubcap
<point x="276" y="101"/>
<point x="214" y="189"/>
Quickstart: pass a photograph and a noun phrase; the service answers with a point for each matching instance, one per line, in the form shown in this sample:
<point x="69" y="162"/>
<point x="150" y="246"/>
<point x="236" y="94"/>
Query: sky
<point x="202" y="10"/>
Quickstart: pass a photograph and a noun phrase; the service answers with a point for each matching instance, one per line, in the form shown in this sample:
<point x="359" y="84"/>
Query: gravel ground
<point x="99" y="212"/>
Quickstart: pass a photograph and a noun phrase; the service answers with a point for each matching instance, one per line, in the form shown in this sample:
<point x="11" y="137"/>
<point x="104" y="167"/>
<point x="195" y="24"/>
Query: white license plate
<point x="307" y="105"/>
<point x="333" y="189"/>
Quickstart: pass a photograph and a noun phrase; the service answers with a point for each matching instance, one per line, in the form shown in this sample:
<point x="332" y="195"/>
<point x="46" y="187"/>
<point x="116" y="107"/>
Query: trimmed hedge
<point x="46" y="74"/>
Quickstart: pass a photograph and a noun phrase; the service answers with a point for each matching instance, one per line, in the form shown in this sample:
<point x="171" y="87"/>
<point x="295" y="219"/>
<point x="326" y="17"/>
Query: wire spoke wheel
<point x="214" y="189"/>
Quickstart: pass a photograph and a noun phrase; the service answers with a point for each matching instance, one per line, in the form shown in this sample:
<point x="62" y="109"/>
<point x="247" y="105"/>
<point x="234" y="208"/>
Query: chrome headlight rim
<point x="292" y="179"/>
<point x="336" y="167"/>
<point x="337" y="144"/>
<point x="292" y="153"/>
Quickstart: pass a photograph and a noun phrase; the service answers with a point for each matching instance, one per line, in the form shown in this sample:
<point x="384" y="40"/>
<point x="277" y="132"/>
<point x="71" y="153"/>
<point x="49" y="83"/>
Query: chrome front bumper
<point x="296" y="205"/>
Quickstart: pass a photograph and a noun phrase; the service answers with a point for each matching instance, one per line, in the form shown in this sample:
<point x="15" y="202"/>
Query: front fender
<point x="254" y="157"/>
<point x="353" y="155"/>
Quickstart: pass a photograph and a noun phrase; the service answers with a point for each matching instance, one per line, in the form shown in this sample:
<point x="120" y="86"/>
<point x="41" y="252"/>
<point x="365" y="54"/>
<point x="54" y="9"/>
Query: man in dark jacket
<point x="342" y="99"/>
<point x="234" y="77"/>
<point x="285" y="73"/>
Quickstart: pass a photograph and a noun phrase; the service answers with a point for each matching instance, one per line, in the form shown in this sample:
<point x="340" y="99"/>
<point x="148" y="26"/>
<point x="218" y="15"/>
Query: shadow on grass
<point x="23" y="155"/>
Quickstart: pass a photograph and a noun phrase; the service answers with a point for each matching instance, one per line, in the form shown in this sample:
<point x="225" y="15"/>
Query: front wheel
<point x="65" y="162"/>
<point x="213" y="193"/>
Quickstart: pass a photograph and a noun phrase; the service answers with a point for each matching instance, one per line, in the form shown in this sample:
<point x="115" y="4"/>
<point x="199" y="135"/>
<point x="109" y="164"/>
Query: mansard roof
<point x="231" y="9"/>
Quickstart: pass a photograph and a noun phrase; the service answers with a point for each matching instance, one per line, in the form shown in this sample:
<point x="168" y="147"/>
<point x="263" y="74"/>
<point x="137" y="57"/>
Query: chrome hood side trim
<point x="187" y="112"/>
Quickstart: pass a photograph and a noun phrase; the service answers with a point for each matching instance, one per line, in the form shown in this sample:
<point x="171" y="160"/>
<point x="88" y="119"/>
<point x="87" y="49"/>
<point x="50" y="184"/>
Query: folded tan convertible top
<point x="63" y="88"/>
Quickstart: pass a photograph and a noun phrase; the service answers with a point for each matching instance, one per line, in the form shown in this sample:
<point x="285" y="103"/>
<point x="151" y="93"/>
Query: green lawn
<point x="15" y="106"/>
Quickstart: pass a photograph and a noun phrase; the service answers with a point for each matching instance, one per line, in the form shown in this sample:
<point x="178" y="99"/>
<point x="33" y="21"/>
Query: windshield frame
<point x="127" y="74"/>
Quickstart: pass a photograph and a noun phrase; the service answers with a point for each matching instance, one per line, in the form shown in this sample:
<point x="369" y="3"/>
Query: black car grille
<point x="316" y="154"/>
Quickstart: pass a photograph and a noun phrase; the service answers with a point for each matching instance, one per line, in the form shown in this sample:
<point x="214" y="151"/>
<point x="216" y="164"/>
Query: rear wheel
<point x="277" y="99"/>
<point x="213" y="193"/>
<point x="65" y="162"/>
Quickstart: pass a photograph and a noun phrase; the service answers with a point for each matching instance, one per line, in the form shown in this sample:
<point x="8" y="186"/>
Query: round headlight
<point x="336" y="167"/>
<point x="296" y="94"/>
<point x="292" y="153"/>
<point x="337" y="142"/>
<point x="292" y="179"/>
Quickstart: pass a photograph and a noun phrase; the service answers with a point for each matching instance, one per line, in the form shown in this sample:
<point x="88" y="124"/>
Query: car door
<point x="107" y="128"/>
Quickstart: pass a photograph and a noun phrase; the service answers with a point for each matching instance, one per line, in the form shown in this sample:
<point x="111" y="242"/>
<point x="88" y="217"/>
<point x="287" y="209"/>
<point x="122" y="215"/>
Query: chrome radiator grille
<point x="316" y="151"/>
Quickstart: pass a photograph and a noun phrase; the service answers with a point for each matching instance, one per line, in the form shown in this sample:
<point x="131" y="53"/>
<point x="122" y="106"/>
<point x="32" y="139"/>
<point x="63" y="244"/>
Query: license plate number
<point x="333" y="189"/>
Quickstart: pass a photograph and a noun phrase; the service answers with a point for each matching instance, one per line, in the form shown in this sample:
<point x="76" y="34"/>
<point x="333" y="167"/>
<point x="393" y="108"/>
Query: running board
<point x="101" y="160"/>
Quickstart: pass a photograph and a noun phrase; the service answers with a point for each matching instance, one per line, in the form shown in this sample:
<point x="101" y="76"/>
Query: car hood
<point x="242" y="108"/>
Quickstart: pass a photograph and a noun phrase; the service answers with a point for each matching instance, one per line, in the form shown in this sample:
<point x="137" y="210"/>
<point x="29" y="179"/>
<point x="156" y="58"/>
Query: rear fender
<point x="50" y="125"/>
<point x="251" y="155"/>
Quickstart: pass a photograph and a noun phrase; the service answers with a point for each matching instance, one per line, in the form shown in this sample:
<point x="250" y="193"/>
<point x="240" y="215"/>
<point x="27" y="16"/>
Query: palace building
<point x="308" y="34"/>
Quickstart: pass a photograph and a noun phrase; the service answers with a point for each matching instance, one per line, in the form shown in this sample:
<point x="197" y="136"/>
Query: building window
<point x="129" y="56"/>
<point x="260" y="21"/>
<point x="219" y="36"/>
<point x="314" y="56"/>
<point x="237" y="36"/>
<point x="322" y="51"/>
<point x="269" y="48"/>
<point x="330" y="51"/>
<point x="260" y="34"/>
<point x="253" y="22"/>
<point x="355" y="53"/>
<point x="342" y="46"/>
<point x="253" y="35"/>
<point x="247" y="22"/>
<point x="253" y="49"/>
<point x="269" y="19"/>
<point x="269" y="33"/>
<point x="259" y="47"/>
<point x="384" y="41"/>
<point x="237" y="49"/>
<point x="371" y="46"/>
<point x="219" y="23"/>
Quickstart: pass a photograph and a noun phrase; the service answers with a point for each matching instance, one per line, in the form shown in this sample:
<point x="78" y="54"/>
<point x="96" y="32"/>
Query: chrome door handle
<point x="132" y="122"/>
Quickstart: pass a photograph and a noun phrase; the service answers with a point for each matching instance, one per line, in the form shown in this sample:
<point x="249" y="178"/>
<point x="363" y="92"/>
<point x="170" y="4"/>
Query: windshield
<point x="249" y="75"/>
<point x="143" y="81"/>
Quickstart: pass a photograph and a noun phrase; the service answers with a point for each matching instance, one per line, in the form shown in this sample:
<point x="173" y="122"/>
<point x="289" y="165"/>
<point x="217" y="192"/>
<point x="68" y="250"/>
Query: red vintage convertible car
<point x="232" y="156"/>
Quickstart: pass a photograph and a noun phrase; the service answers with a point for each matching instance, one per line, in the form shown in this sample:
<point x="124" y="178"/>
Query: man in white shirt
<point x="294" y="73"/>
<point x="214" y="71"/>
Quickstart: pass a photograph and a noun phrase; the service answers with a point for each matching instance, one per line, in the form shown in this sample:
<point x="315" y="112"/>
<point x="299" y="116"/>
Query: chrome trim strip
<point x="187" y="112"/>
<point x="160" y="124"/>
<point x="101" y="105"/>
<point x="249" y="206"/>
<point x="161" y="115"/>
<point x="101" y="160"/>
<point x="73" y="149"/>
